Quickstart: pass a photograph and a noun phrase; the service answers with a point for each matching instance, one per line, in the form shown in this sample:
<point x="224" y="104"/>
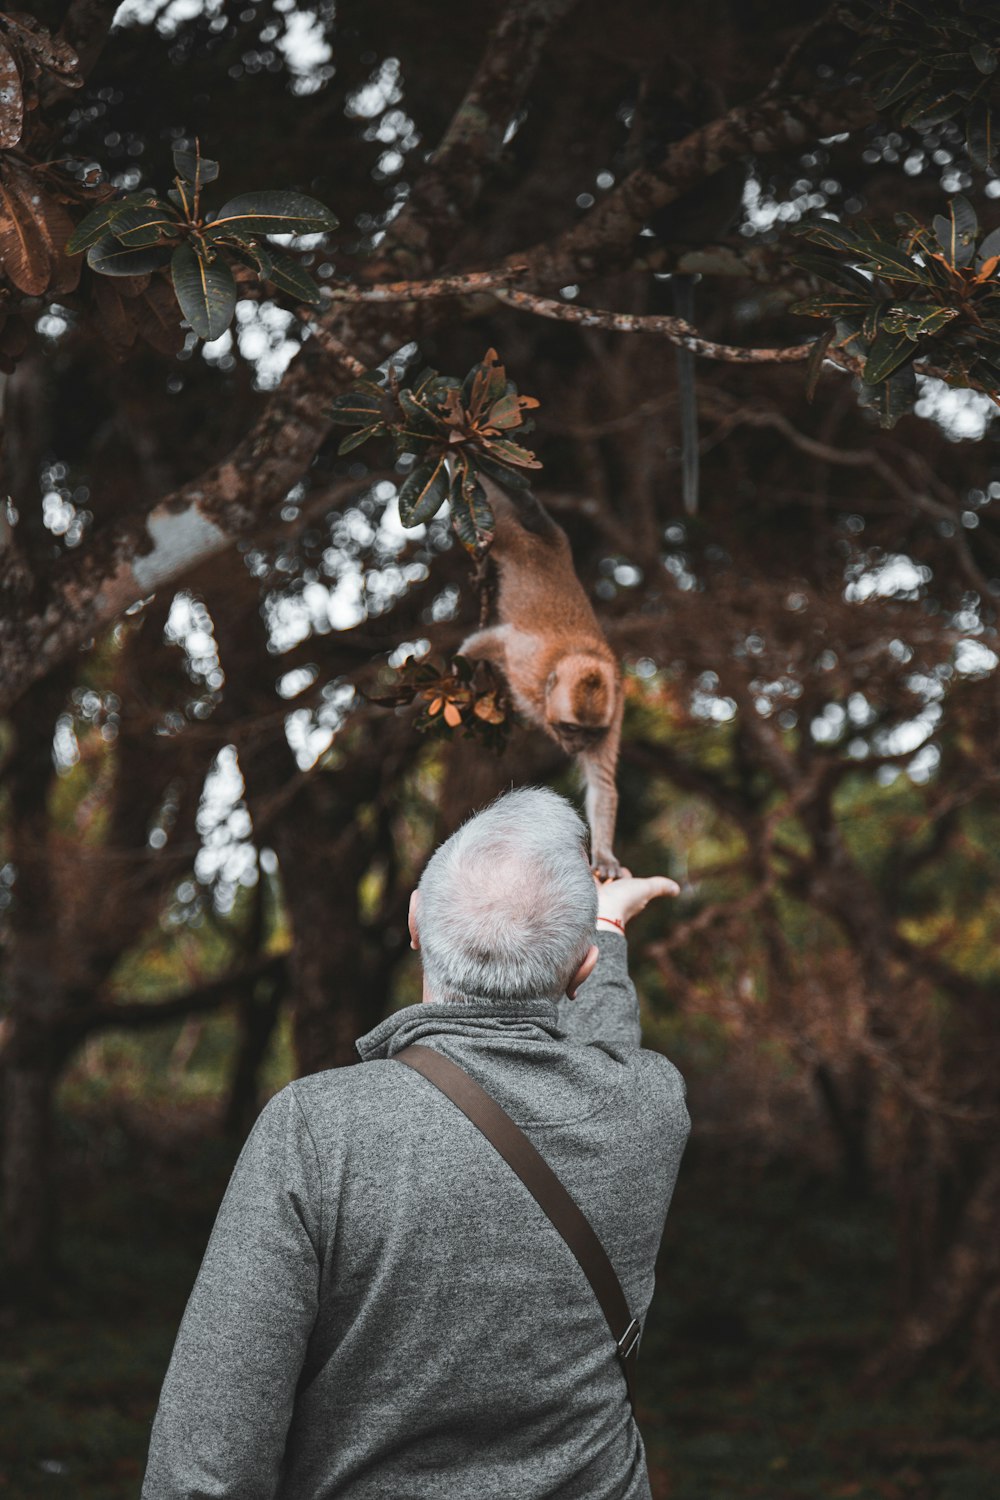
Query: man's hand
<point x="624" y="898"/>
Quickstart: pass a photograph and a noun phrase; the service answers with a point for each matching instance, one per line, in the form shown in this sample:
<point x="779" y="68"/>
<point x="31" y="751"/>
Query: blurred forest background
<point x="208" y="834"/>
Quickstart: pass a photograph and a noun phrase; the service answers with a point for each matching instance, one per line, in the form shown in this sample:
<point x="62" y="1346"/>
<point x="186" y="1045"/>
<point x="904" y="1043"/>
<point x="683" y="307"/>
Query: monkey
<point x="562" y="674"/>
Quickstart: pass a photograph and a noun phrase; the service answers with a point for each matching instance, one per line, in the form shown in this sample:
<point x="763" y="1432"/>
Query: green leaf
<point x="814" y="364"/>
<point x="984" y="57"/>
<point x="509" y="452"/>
<point x="900" y="82"/>
<point x="254" y="256"/>
<point x="893" y="264"/>
<point x="471" y="516"/>
<point x="916" y="319"/>
<point x="206" y="293"/>
<point x="951" y="62"/>
<point x="197" y="170"/>
<point x="356" y="408"/>
<point x="419" y="421"/>
<point x="871" y="320"/>
<point x="424" y="492"/>
<point x="831" y="305"/>
<point x="989" y="247"/>
<point x="511" y="479"/>
<point x="288" y="276"/>
<point x="437" y="387"/>
<point x="92" y="227"/>
<point x="355" y="439"/>
<point x="829" y="234"/>
<point x="980" y="137"/>
<point x="504" y="413"/>
<point x="112" y="259"/>
<point x="892" y="398"/>
<point x="479" y="507"/>
<point x="144" y="225"/>
<point x="956" y="233"/>
<point x="829" y="269"/>
<point x="407" y="441"/>
<point x="930" y="107"/>
<point x="271" y="213"/>
<point x="887" y="353"/>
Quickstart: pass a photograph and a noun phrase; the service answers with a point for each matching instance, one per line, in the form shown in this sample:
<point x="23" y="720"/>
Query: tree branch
<point x="204" y="997"/>
<point x="604" y="239"/>
<point x="463" y="284"/>
<point x="438" y="207"/>
<point x="675" y="330"/>
<point x="128" y="560"/>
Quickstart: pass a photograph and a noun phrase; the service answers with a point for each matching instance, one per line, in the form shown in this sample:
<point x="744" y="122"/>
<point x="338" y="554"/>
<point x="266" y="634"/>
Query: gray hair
<point x="508" y="904"/>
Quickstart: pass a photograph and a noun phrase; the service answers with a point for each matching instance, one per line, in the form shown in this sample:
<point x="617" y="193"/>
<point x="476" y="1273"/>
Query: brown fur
<point x="562" y="673"/>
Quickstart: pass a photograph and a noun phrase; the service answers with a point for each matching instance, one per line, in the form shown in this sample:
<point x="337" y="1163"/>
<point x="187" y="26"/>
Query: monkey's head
<point x="579" y="701"/>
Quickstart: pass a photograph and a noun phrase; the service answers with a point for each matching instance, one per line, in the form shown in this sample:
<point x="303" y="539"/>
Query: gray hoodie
<point x="384" y="1311"/>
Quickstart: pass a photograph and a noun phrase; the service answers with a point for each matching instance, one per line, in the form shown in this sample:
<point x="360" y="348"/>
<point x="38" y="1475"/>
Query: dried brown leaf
<point x="116" y="320"/>
<point x="13" y="336"/>
<point x="50" y="52"/>
<point x="11" y="98"/>
<point x="24" y="253"/>
<point x="54" y="224"/>
<point x="133" y="286"/>
<point x="159" y="318"/>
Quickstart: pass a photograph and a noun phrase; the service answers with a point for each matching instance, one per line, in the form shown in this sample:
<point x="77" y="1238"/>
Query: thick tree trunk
<point x="30" y="1077"/>
<point x="256" y="1017"/>
<point x="963" y="1291"/>
<point x="324" y="853"/>
<point x="32" y="1056"/>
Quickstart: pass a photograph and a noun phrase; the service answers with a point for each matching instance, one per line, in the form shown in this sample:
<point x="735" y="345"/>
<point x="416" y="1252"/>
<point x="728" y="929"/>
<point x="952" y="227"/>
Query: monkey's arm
<point x="600" y="768"/>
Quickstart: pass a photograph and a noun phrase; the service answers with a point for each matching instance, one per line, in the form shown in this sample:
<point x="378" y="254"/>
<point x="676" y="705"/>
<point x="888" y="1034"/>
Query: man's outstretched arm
<point x="605" y="1007"/>
<point x="226" y="1403"/>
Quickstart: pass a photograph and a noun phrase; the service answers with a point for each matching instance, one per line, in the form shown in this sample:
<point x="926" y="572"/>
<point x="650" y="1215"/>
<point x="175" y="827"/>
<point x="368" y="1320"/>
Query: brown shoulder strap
<point x="546" y="1189"/>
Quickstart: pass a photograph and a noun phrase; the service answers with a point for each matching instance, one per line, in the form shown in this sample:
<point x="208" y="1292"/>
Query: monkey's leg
<point x="486" y="645"/>
<point x="600" y="768"/>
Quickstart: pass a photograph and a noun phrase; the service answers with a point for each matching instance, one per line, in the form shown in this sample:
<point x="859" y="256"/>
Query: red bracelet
<point x="614" y="922"/>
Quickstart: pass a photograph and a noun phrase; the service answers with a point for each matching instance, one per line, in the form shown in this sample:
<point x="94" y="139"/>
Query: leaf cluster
<point x="459" y="431"/>
<point x="929" y="62"/>
<point x="142" y="233"/>
<point x="28" y="51"/>
<point x="928" y="291"/>
<point x="465" y="695"/>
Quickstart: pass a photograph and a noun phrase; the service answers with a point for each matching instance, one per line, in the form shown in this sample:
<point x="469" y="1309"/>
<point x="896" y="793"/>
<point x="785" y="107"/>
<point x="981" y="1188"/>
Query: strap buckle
<point x="629" y="1339"/>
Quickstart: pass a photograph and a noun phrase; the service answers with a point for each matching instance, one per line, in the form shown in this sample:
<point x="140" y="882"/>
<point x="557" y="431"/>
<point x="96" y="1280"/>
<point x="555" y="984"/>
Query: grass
<point x="771" y="1286"/>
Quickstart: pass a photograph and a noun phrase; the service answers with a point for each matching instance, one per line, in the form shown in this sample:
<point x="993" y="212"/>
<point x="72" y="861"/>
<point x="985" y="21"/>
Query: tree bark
<point x="31" y="1057"/>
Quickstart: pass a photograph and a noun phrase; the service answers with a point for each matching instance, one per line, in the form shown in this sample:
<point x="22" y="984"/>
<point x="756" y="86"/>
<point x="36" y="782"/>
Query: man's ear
<point x="411" y="919"/>
<point x="583" y="972"/>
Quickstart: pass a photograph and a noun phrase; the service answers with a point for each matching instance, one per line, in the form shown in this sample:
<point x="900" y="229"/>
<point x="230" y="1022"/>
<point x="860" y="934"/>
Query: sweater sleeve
<point x="226" y="1403"/>
<point x="606" y="1007"/>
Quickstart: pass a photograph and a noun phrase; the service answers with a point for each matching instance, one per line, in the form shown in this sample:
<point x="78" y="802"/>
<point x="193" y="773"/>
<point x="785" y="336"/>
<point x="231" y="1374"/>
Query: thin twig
<point x="465" y="284"/>
<point x="676" y="330"/>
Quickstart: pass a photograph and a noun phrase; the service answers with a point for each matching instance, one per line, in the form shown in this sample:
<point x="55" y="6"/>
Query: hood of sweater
<point x="520" y="1020"/>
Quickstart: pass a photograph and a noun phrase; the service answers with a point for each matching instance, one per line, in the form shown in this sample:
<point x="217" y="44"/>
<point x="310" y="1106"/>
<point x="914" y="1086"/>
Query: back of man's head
<point x="508" y="903"/>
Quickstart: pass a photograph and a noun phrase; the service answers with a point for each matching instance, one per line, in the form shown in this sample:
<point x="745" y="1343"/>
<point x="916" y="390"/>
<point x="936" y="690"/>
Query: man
<point x="383" y="1310"/>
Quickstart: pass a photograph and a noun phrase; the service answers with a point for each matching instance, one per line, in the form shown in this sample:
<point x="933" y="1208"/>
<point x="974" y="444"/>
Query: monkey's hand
<point x="626" y="897"/>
